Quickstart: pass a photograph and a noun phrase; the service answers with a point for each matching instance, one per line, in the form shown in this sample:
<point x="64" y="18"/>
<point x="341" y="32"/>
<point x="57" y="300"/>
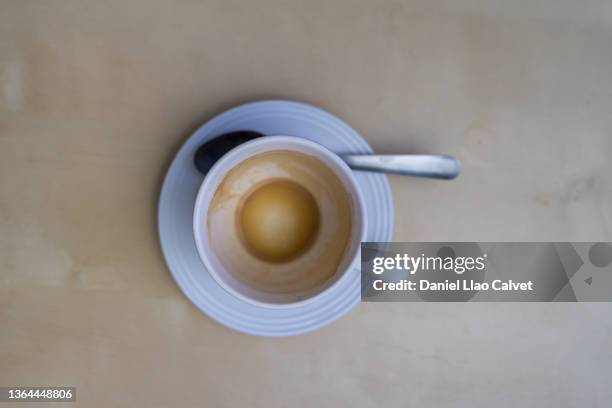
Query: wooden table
<point x="96" y="97"/>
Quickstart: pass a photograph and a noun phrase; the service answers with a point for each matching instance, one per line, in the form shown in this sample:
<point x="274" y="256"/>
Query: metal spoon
<point x="420" y="165"/>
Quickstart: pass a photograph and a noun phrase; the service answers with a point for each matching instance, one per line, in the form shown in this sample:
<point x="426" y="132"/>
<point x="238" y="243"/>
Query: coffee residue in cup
<point x="280" y="222"/>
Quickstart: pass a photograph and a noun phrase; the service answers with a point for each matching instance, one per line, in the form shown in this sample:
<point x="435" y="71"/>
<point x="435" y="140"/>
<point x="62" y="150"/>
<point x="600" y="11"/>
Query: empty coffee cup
<point x="279" y="220"/>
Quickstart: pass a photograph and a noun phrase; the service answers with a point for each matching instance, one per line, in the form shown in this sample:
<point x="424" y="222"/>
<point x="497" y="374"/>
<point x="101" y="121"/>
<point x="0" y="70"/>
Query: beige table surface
<point x="97" y="96"/>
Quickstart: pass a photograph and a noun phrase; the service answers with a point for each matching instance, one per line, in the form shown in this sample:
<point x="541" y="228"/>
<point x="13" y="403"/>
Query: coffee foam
<point x="311" y="269"/>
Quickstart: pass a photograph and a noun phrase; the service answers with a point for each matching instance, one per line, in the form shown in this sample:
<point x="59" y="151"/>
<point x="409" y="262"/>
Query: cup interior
<point x="221" y="252"/>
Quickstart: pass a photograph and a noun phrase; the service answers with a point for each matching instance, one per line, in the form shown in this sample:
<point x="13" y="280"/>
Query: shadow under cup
<point x="239" y="236"/>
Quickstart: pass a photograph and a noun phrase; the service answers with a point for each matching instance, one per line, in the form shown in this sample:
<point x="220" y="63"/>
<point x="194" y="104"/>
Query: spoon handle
<point x="419" y="165"/>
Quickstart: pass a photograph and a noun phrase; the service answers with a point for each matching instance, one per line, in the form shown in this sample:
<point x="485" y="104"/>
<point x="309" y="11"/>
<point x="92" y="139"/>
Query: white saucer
<point x="176" y="211"/>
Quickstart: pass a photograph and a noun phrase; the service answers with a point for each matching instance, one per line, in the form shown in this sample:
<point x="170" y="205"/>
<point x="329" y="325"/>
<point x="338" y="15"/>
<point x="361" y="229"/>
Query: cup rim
<point x="224" y="164"/>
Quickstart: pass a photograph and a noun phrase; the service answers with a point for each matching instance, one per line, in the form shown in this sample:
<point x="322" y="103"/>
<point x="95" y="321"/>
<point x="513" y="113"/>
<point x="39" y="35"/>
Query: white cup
<point x="215" y="176"/>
